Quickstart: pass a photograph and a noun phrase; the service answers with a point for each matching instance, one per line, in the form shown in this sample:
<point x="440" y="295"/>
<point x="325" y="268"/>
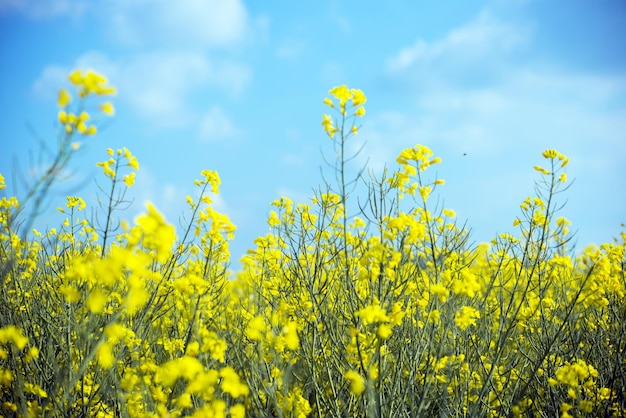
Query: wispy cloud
<point x="216" y="125"/>
<point x="163" y="23"/>
<point x="41" y="10"/>
<point x="472" y="53"/>
<point x="177" y="61"/>
<point x="527" y="103"/>
<point x="158" y="86"/>
<point x="473" y="91"/>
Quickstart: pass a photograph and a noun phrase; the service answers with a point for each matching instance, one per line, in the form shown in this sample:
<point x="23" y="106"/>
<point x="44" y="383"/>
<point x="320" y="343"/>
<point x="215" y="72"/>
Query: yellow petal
<point x="64" y="98"/>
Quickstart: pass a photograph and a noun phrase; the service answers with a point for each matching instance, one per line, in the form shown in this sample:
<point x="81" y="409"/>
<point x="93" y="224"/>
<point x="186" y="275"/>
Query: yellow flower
<point x="329" y="102"/>
<point x="237" y="411"/>
<point x="75" y="201"/>
<point x="35" y="389"/>
<point x="64" y="98"/>
<point x="290" y="332"/>
<point x="273" y="220"/>
<point x="384" y="331"/>
<point x="329" y="127"/>
<point x="13" y="334"/>
<point x="434" y="316"/>
<point x="256" y="328"/>
<point x="62" y="117"/>
<point x="549" y="153"/>
<point x="213" y="178"/>
<point x="96" y="301"/>
<point x="116" y="332"/>
<point x="105" y="356"/>
<point x="137" y="295"/>
<point x="342" y="94"/>
<point x="360" y="112"/>
<point x="466" y="317"/>
<point x="184" y="401"/>
<point x="92" y="80"/>
<point x="373" y="314"/>
<point x="82" y="128"/>
<point x="186" y="367"/>
<point x="425" y="192"/>
<point x="358" y="98"/>
<point x="231" y="383"/>
<point x="440" y="290"/>
<point x="215" y="346"/>
<point x="33" y="353"/>
<point x="133" y="163"/>
<point x="449" y="213"/>
<point x="76" y="77"/>
<point x="2" y="183"/>
<point x="357" y="382"/>
<point x="129" y="179"/>
<point x="106" y="166"/>
<point x="107" y="108"/>
<point x="71" y="294"/>
<point x="158" y="234"/>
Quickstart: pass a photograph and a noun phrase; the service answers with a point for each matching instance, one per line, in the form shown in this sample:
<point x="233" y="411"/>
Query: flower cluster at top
<point x="88" y="84"/>
<point x="346" y="98"/>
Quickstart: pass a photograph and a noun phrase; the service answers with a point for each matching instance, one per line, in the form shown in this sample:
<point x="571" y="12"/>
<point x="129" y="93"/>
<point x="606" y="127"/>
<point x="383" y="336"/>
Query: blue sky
<point x="237" y="87"/>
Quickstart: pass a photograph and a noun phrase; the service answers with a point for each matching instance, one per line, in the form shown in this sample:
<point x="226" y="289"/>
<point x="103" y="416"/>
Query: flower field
<point x="366" y="305"/>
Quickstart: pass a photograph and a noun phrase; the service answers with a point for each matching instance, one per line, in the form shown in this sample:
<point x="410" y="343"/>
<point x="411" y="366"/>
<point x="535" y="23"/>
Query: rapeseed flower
<point x="64" y="98"/>
<point x="357" y="382"/>
<point x="231" y="383"/>
<point x="465" y="317"/>
<point x="14" y="335"/>
<point x="107" y="108"/>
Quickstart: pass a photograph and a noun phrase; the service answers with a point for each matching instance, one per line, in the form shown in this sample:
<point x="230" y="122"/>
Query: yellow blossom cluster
<point x="345" y="96"/>
<point x="87" y="83"/>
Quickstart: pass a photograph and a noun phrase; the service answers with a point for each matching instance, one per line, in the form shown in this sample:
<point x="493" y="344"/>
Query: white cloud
<point x="521" y="105"/>
<point x="473" y="92"/>
<point x="216" y="125"/>
<point x="51" y="79"/>
<point x="157" y="85"/>
<point x="55" y="76"/>
<point x="529" y="111"/>
<point x="193" y="23"/>
<point x="48" y="9"/>
<point x="471" y="52"/>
